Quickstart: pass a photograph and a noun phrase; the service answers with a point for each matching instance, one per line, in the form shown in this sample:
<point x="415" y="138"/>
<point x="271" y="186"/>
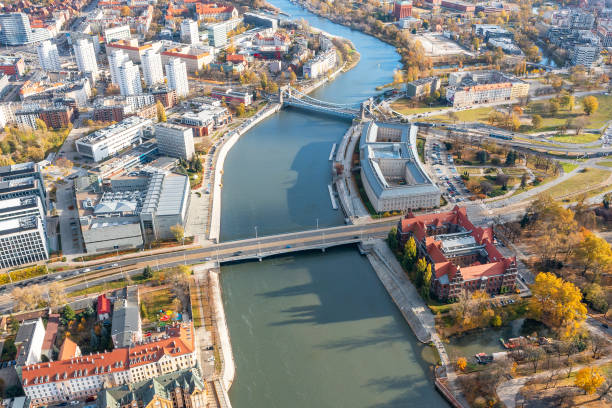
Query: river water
<point x="317" y="329"/>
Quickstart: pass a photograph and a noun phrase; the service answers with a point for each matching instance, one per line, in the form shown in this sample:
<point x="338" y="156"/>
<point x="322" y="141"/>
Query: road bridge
<point x="256" y="248"/>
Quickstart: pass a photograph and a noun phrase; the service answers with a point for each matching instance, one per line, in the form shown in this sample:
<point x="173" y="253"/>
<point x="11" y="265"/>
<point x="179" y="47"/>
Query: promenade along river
<point x="316" y="329"/>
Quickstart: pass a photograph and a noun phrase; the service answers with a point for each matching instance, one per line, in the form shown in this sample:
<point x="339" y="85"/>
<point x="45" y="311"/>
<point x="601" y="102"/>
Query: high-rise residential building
<point x="115" y="60"/>
<point x="174" y="140"/>
<point x="176" y="71"/>
<point x="15" y="29"/>
<point x="129" y="79"/>
<point x="217" y="34"/>
<point x="152" y="68"/>
<point x="189" y="32"/>
<point x="86" y="57"/>
<point x="48" y="57"/>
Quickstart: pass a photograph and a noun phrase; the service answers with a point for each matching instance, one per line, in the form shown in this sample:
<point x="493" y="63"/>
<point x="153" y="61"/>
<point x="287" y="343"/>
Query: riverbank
<point x="228" y="368"/>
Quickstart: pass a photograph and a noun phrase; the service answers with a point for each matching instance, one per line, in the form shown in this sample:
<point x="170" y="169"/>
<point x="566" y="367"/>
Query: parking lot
<point x="445" y="175"/>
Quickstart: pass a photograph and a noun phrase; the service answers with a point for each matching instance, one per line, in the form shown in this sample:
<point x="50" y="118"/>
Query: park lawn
<point x="578" y="183"/>
<point x="604" y="112"/>
<point x="404" y="106"/>
<point x="549" y="123"/>
<point x="470" y="115"/>
<point x="568" y="167"/>
<point x="578" y="139"/>
<point x="155" y="301"/>
<point x="606" y="163"/>
<point x="536" y="142"/>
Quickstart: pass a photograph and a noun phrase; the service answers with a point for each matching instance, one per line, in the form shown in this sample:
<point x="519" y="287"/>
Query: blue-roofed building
<point x="391" y="171"/>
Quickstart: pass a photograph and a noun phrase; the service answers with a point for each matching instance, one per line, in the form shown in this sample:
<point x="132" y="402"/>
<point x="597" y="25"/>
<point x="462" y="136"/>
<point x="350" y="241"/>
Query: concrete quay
<point x="215" y="217"/>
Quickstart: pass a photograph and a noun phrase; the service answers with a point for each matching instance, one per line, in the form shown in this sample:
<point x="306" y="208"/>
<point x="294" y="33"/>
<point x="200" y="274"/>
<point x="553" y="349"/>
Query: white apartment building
<point x="174" y="140"/>
<point x="112" y="139"/>
<point x="319" y="65"/>
<point x="129" y="79"/>
<point x="152" y="68"/>
<point x="23" y="237"/>
<point x="176" y="72"/>
<point x="139" y="101"/>
<point x="86" y="57"/>
<point x="116" y="59"/>
<point x="117" y="33"/>
<point x="48" y="57"/>
<point x="29" y="342"/>
<point x="80" y="377"/>
<point x="190" y="33"/>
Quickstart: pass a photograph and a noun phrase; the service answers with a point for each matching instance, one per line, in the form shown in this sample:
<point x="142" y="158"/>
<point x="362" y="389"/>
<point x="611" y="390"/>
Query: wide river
<point x="317" y="329"/>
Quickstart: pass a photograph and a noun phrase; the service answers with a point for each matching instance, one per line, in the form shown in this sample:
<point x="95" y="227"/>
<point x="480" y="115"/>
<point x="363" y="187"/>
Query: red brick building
<point x="12" y="65"/>
<point x="462" y="257"/>
<point x="402" y="9"/>
<point x="166" y="96"/>
<point x="57" y="117"/>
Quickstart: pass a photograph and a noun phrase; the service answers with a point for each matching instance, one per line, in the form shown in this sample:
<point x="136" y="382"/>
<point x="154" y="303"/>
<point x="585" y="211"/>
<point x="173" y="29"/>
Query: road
<point x="245" y="249"/>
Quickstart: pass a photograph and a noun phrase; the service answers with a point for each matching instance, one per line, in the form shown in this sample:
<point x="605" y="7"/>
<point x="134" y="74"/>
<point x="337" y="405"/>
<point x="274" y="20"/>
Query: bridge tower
<point x="365" y="105"/>
<point x="282" y="91"/>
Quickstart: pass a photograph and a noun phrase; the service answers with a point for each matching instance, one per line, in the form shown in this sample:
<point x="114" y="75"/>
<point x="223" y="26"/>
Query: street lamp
<point x="317" y="223"/>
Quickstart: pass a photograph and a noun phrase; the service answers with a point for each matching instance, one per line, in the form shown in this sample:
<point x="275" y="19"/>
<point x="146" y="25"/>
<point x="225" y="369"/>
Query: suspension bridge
<point x="289" y="96"/>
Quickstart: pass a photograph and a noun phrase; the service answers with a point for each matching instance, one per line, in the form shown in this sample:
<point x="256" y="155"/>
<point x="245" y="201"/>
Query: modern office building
<point x="391" y="171"/>
<point x="232" y="96"/>
<point x="109" y="141"/>
<point x="176" y="72"/>
<point x="189" y="32"/>
<point x="22" y="180"/>
<point x="469" y="88"/>
<point x="217" y="35"/>
<point x="152" y="68"/>
<point x="15" y="30"/>
<point x="80" y="377"/>
<point x="463" y="257"/>
<point x="86" y="58"/>
<point x="116" y="59"/>
<point x="422" y="87"/>
<point x="117" y="33"/>
<point x="48" y="57"/>
<point x="174" y="140"/>
<point x="129" y="79"/>
<point x="23" y="237"/>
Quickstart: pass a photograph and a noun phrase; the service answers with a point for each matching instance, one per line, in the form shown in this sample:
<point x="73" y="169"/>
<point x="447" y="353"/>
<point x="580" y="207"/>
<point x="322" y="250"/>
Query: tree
<point x="536" y="121"/>
<point x="56" y="294"/>
<point x="125" y="11"/>
<point x="557" y="303"/>
<point x="64" y="164"/>
<point x="589" y="379"/>
<point x="292" y="77"/>
<point x="579" y="124"/>
<point x="461" y="363"/>
<point x="421" y="267"/>
<point x="593" y="253"/>
<point x="161" y="112"/>
<point x="553" y="107"/>
<point x="240" y="110"/>
<point x="392" y="239"/>
<point x="511" y="158"/>
<point x="515" y="122"/>
<point x="68" y="313"/>
<point x="410" y="251"/>
<point x="178" y="231"/>
<point x="40" y="124"/>
<point x="590" y="104"/>
<point x="148" y="272"/>
<point x="482" y="156"/>
<point x="596" y="297"/>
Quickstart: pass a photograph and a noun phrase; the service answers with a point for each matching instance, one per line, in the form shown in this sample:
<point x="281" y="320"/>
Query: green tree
<point x="68" y="313"/>
<point x="148" y="272"/>
<point x="511" y="158"/>
<point x="536" y="121"/>
<point x="421" y="268"/>
<point x="596" y="297"/>
<point x="240" y="110"/>
<point x="392" y="239"/>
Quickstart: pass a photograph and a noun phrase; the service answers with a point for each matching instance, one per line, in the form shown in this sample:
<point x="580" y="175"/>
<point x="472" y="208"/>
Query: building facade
<point x="152" y="68"/>
<point x="470" y="88"/>
<point x="115" y="60"/>
<point x="402" y="9"/>
<point x="190" y="33"/>
<point x="175" y="140"/>
<point x="176" y="72"/>
<point x="129" y="79"/>
<point x="16" y="29"/>
<point x="109" y="141"/>
<point x="85" y="376"/>
<point x="86" y="58"/>
<point x="117" y="33"/>
<point x="48" y="57"/>
<point x="463" y="257"/>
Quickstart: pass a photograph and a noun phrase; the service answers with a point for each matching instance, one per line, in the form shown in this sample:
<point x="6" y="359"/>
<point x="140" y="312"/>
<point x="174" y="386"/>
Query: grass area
<point x="576" y="139"/>
<point x="568" y="167"/>
<point x="421" y="149"/>
<point x="470" y="115"/>
<point x="603" y="114"/>
<point x="112" y="285"/>
<point x="153" y="302"/>
<point x="579" y="183"/>
<point x="606" y="163"/>
<point x="535" y="142"/>
<point x="409" y="107"/>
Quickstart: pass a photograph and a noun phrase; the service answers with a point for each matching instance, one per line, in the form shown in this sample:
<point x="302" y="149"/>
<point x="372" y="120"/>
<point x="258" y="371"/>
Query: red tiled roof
<point x="104" y="305"/>
<point x="180" y="341"/>
<point x="50" y="332"/>
<point x="235" y="58"/>
<point x="68" y="350"/>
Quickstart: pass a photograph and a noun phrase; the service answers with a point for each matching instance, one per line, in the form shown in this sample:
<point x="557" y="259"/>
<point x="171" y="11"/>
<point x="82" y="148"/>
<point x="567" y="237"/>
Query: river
<point x="316" y="329"/>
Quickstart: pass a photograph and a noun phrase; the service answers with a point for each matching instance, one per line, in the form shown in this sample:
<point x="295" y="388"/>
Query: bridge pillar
<point x="323" y="249"/>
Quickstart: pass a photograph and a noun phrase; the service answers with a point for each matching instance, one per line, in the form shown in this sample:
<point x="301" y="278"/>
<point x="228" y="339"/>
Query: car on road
<point x="87" y="270"/>
<point x="237" y="253"/>
<point x="208" y="258"/>
<point x="115" y="265"/>
<point x="287" y="246"/>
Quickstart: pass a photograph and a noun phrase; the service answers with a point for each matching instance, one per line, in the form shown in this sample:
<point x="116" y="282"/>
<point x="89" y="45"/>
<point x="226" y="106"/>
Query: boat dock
<point x="332" y="197"/>
<point x="331" y="154"/>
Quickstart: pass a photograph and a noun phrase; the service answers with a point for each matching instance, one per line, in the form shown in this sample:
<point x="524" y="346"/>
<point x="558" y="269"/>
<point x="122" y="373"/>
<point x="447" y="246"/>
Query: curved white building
<point x="391" y="171"/>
